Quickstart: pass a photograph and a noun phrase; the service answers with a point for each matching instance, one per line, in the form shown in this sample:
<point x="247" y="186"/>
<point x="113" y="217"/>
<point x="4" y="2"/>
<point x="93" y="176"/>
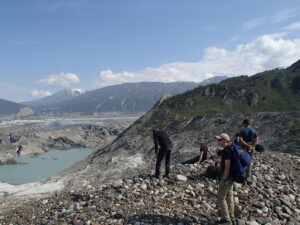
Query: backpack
<point x="240" y="162"/>
<point x="259" y="148"/>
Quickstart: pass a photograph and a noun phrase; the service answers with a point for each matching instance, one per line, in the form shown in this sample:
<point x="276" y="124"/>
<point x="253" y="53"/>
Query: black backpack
<point x="259" y="148"/>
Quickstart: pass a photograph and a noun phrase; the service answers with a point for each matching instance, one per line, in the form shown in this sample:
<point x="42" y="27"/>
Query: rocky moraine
<point x="189" y="197"/>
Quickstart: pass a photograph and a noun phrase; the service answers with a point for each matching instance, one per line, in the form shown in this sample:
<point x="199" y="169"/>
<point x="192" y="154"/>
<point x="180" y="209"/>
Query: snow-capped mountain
<point x="61" y="96"/>
<point x="127" y="97"/>
<point x="75" y="91"/>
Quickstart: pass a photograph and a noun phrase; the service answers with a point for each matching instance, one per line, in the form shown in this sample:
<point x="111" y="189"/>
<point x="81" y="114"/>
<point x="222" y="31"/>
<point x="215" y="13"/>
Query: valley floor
<point x="37" y="136"/>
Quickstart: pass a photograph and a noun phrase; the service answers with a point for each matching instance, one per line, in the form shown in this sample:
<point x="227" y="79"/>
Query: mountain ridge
<point x="9" y="107"/>
<point x="127" y="98"/>
<point x="270" y="91"/>
<point x="124" y="98"/>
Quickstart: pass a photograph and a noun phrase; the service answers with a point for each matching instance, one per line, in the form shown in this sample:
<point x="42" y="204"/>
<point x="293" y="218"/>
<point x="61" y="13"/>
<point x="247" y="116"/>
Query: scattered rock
<point x="117" y="183"/>
<point x="184" y="199"/>
<point x="181" y="178"/>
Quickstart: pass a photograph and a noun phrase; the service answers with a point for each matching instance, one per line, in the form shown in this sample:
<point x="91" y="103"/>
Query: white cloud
<point x="293" y="26"/>
<point x="278" y="35"/>
<point x="61" y="80"/>
<point x="40" y="93"/>
<point x="254" y="23"/>
<point x="281" y="16"/>
<point x="263" y="53"/>
<point x="285" y="15"/>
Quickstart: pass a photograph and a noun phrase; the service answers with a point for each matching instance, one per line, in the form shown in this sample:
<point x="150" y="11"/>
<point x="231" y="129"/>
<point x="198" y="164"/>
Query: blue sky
<point x="47" y="45"/>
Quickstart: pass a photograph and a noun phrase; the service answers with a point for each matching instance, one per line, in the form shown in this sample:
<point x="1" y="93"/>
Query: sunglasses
<point x="221" y="140"/>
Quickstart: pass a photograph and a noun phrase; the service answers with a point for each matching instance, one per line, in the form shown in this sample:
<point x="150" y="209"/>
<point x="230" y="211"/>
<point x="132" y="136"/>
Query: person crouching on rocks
<point x="201" y="157"/>
<point x="225" y="192"/>
<point x="162" y="140"/>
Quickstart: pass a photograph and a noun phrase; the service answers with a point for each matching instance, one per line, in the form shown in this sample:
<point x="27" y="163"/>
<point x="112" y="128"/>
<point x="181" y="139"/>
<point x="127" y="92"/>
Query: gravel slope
<point x="272" y="198"/>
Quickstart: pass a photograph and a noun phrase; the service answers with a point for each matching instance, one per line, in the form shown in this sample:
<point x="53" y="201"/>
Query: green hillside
<point x="276" y="90"/>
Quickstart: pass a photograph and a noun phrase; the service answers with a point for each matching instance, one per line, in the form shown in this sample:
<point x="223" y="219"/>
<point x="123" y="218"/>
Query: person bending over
<point x="163" y="147"/>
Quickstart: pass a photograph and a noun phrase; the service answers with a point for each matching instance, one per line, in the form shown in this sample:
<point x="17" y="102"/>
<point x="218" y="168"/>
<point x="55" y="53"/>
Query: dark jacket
<point x="162" y="139"/>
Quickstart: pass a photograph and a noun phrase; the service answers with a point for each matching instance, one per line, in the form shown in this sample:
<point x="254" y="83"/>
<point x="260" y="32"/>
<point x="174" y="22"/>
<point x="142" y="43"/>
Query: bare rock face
<point x="26" y="111"/>
<point x="253" y="99"/>
<point x="63" y="143"/>
<point x="164" y="97"/>
<point x="206" y="91"/>
<point x="230" y="97"/>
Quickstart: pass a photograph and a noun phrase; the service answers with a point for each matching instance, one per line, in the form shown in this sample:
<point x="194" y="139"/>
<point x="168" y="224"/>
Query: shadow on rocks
<point x="202" y="177"/>
<point x="160" y="219"/>
<point x="196" y="177"/>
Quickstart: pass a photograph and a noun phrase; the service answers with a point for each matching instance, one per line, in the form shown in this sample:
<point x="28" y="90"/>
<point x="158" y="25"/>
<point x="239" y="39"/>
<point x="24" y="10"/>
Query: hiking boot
<point x="225" y="222"/>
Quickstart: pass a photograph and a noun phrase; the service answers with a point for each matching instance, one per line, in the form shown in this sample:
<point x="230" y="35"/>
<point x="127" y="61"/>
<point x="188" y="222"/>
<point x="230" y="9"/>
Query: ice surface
<point x="30" y="189"/>
<point x="63" y="121"/>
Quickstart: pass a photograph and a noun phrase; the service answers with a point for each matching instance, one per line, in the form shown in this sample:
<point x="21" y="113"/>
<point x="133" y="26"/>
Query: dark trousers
<point x="191" y="161"/>
<point x="249" y="169"/>
<point x="161" y="154"/>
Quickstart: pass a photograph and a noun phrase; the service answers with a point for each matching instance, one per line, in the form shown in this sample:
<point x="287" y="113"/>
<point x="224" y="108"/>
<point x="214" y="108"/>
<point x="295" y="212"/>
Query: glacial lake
<point x="42" y="166"/>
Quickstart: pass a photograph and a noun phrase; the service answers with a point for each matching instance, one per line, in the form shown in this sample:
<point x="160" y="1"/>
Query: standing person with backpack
<point x="248" y="139"/>
<point x="162" y="139"/>
<point x="225" y="192"/>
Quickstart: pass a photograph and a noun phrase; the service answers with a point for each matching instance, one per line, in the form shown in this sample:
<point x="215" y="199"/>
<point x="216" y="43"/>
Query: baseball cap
<point x="223" y="136"/>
